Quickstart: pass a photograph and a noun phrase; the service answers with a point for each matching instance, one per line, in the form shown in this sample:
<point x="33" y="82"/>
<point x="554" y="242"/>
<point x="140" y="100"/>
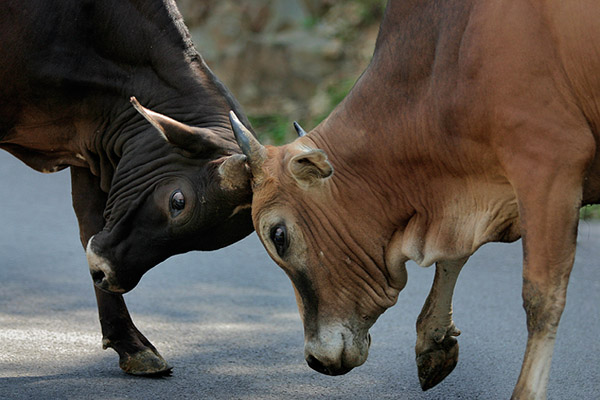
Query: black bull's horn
<point x="254" y="151"/>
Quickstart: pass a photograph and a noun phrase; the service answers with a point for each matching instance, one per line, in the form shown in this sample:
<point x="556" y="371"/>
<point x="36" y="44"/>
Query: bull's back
<point x="13" y="66"/>
<point x="31" y="30"/>
<point x="38" y="104"/>
<point x="575" y="26"/>
<point x="530" y="70"/>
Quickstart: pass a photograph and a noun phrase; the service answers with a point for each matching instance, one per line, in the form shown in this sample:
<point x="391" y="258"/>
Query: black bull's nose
<point x="99" y="278"/>
<point x="104" y="275"/>
<point x="102" y="282"/>
<point x="318" y="366"/>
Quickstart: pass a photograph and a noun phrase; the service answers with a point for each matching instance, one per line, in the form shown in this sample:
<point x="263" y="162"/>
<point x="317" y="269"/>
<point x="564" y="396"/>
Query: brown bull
<point x="475" y="122"/>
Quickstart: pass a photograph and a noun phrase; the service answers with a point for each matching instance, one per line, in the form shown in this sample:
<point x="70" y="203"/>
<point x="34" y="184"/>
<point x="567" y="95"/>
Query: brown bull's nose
<point x="318" y="366"/>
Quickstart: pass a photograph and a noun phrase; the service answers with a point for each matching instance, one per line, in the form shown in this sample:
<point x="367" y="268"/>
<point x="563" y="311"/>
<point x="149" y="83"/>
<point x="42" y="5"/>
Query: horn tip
<point x="238" y="127"/>
<point x="136" y="104"/>
<point x="233" y="116"/>
<point x="301" y="132"/>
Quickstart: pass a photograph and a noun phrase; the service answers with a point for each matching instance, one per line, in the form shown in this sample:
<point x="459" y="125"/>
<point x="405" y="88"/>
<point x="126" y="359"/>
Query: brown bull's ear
<point x="194" y="140"/>
<point x="310" y="167"/>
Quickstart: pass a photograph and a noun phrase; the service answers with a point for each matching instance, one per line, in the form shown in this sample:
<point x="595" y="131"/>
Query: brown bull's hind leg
<point x="549" y="187"/>
<point x="549" y="236"/>
<point x="136" y="353"/>
<point x="437" y="347"/>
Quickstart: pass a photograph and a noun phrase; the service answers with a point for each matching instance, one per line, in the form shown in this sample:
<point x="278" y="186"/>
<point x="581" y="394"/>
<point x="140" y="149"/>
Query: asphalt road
<point x="227" y="320"/>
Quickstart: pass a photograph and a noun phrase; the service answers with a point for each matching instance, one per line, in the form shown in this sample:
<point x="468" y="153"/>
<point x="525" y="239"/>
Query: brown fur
<point x="474" y="122"/>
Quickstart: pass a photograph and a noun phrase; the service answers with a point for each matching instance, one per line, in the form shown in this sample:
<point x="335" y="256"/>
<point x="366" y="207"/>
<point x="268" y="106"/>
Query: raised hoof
<point x="145" y="363"/>
<point x="436" y="363"/>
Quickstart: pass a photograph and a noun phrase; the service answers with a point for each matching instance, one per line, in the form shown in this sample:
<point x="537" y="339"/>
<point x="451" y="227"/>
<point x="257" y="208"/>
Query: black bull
<point x="144" y="186"/>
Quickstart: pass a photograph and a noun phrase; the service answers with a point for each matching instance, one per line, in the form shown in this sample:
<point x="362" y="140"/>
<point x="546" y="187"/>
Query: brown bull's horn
<point x="301" y="132"/>
<point x="251" y="147"/>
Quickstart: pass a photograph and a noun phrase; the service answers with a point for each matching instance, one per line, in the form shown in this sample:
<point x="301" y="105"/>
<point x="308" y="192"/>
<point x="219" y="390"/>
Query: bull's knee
<point x="543" y="307"/>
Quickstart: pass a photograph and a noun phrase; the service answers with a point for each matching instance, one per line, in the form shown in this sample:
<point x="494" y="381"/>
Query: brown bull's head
<point x="343" y="278"/>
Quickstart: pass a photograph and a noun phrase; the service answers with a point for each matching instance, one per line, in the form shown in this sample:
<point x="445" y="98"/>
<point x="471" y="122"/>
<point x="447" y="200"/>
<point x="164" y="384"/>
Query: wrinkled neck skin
<point x="400" y="196"/>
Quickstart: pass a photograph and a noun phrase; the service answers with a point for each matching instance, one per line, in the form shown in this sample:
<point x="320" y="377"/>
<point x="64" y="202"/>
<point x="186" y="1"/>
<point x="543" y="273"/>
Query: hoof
<point x="436" y="363"/>
<point x="145" y="363"/>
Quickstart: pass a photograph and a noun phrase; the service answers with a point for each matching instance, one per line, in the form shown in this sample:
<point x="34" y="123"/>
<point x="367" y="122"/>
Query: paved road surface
<point x="227" y="320"/>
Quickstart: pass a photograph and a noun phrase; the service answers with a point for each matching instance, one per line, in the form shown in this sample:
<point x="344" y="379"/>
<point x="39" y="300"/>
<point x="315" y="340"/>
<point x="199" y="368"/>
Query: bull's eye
<point x="177" y="202"/>
<point x="279" y="239"/>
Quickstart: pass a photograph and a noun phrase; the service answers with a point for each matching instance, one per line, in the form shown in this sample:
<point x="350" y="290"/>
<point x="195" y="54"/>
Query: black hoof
<point x="437" y="363"/>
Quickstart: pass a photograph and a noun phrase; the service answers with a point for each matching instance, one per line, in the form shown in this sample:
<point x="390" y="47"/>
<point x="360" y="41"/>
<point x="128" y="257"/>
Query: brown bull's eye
<point x="279" y="239"/>
<point x="177" y="202"/>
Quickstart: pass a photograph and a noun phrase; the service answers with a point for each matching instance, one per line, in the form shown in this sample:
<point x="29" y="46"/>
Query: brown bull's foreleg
<point x="437" y="348"/>
<point x="136" y="354"/>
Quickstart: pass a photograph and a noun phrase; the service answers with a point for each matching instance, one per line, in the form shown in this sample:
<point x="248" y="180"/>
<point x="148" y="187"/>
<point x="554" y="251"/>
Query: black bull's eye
<point x="279" y="239"/>
<point x="177" y="202"/>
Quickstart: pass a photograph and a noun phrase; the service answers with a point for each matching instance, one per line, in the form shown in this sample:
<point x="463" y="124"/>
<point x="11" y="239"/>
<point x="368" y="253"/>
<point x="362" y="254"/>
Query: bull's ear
<point x="310" y="167"/>
<point x="194" y="140"/>
<point x="234" y="172"/>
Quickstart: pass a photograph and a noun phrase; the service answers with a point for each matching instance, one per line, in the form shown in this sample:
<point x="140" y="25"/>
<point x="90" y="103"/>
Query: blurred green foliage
<point x="362" y="13"/>
<point x="344" y="22"/>
<point x="337" y="92"/>
<point x="277" y="129"/>
<point x="271" y="129"/>
<point x="310" y="22"/>
<point x="590" y="212"/>
<point x="371" y="10"/>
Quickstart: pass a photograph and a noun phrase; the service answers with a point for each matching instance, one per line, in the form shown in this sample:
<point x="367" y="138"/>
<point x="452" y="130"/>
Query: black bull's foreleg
<point x="136" y="354"/>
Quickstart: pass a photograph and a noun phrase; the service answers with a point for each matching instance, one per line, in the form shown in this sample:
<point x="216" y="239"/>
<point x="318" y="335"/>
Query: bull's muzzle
<point x="101" y="270"/>
<point x="336" y="351"/>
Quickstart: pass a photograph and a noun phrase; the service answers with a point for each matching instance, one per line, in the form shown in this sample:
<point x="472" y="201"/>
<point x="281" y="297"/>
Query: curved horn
<point x="251" y="147"/>
<point x="301" y="132"/>
<point x="192" y="139"/>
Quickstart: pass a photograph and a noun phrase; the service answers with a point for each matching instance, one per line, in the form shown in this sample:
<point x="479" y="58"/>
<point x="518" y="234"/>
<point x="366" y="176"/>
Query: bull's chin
<point x="327" y="370"/>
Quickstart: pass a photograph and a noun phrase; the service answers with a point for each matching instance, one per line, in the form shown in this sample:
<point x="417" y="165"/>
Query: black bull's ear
<point x="192" y="139"/>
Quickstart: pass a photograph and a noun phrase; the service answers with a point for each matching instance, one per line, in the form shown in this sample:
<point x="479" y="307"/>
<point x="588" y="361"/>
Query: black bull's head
<point x="172" y="194"/>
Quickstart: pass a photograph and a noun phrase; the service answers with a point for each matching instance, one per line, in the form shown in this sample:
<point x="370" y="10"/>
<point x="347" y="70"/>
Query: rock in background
<point x="285" y="60"/>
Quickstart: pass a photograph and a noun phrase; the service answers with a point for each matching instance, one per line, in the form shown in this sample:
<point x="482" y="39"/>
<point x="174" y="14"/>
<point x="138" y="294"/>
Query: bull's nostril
<point x="317" y="365"/>
<point x="98" y="276"/>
